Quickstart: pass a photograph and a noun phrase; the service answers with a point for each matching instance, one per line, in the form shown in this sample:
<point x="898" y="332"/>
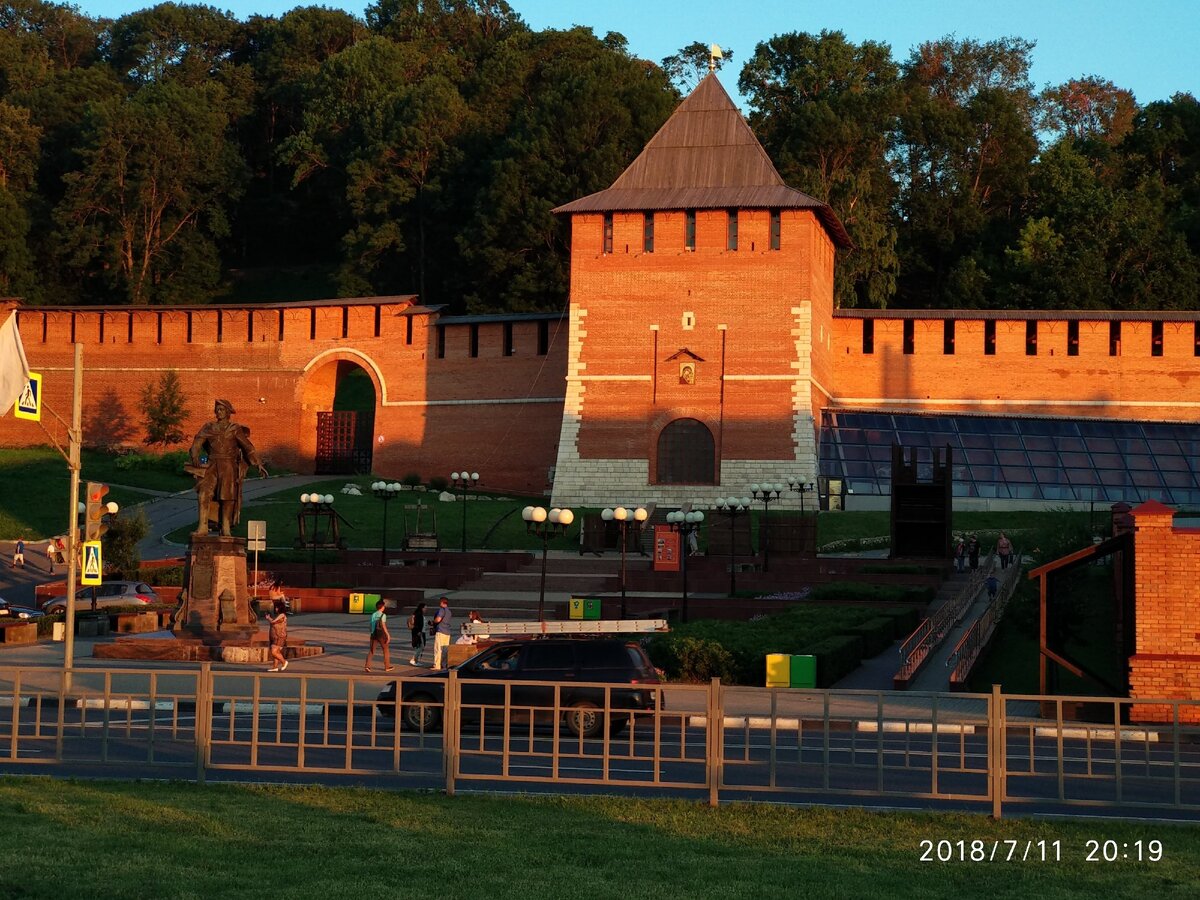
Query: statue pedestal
<point x="217" y="607"/>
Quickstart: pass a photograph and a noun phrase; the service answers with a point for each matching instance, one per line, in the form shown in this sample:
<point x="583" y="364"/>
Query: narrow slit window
<point x="1031" y="338"/>
<point x="220" y="327"/>
<point x="543" y="338"/>
<point x="508" y="339"/>
<point x="1072" y="338"/>
<point x="345" y="321"/>
<point x="731" y="229"/>
<point x="312" y="324"/>
<point x="948" y="337"/>
<point x="1114" y="338"/>
<point x="408" y="329"/>
<point x="989" y="337"/>
<point x="441" y="342"/>
<point x="280" y="338"/>
<point x="158" y="336"/>
<point x="910" y="337"/>
<point x="1156" y="338"/>
<point x="868" y="336"/>
<point x="1196" y="339"/>
<point x="474" y="339"/>
<point x="776" y="228"/>
<point x="689" y="230"/>
<point x="379" y="321"/>
<point x="189" y="326"/>
<point x="250" y="326"/>
<point x="648" y="232"/>
<point x="608" y="232"/>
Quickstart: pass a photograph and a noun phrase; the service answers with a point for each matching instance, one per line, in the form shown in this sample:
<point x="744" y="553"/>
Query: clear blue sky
<point x="1151" y="47"/>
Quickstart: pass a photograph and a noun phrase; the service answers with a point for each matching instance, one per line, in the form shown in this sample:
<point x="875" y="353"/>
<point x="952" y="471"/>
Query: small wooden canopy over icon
<point x="687" y="364"/>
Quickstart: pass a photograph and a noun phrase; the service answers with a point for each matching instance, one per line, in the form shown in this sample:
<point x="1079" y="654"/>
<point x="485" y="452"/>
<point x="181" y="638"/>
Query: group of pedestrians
<point x="440" y="627"/>
<point x="55" y="550"/>
<point x="967" y="548"/>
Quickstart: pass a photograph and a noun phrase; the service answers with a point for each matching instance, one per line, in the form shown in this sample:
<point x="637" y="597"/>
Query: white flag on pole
<point x="14" y="369"/>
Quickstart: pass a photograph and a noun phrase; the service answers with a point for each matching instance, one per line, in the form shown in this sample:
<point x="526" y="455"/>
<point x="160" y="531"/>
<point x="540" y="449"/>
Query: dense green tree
<point x="584" y="111"/>
<point x="164" y="409"/>
<point x="1088" y="108"/>
<point x="965" y="153"/>
<point x="826" y="110"/>
<point x="384" y="117"/>
<point x="38" y="38"/>
<point x="19" y="139"/>
<point x="150" y="197"/>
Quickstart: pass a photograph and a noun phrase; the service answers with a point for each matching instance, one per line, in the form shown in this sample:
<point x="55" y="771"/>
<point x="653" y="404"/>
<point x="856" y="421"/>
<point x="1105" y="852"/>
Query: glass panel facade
<point x="1030" y="459"/>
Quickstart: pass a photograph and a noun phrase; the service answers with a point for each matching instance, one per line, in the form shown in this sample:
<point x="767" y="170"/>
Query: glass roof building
<point x="1021" y="459"/>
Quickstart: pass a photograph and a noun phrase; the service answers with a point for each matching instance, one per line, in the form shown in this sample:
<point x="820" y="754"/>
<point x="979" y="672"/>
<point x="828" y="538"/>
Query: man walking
<point x="442" y="622"/>
<point x="19" y="554"/>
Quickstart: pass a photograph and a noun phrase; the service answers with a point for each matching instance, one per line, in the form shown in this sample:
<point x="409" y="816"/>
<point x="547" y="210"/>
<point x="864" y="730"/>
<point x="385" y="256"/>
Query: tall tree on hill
<point x="19" y="139"/>
<point x="384" y="117"/>
<point x="964" y="156"/>
<point x="826" y="112"/>
<point x="583" y="111"/>
<point x="1088" y="108"/>
<point x="275" y="223"/>
<point x="149" y="202"/>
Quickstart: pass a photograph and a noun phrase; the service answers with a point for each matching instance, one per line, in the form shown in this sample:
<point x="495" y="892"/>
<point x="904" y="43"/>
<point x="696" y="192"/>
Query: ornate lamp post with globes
<point x="312" y="505"/>
<point x="463" y="481"/>
<point x="732" y="507"/>
<point x="623" y="517"/>
<point x="685" y="524"/>
<point x="767" y="493"/>
<point x="546" y="525"/>
<point x="387" y="492"/>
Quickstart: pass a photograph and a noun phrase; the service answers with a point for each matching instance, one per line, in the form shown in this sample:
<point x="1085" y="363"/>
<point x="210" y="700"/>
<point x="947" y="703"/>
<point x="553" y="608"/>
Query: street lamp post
<point x="545" y="525"/>
<point x="462" y="481"/>
<point x="732" y="507"/>
<point x="685" y="524"/>
<point x="801" y="488"/>
<point x="767" y="493"/>
<point x="623" y="517"/>
<point x="387" y="492"/>
<point x="312" y="504"/>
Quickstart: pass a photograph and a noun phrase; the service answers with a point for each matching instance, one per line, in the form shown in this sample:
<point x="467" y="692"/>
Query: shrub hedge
<point x="699" y="650"/>
<point x="836" y="657"/>
<point x="877" y="635"/>
<point x="847" y="592"/>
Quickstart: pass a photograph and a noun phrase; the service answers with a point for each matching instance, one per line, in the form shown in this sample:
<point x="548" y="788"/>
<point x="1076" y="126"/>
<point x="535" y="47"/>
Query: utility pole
<point x="75" y="438"/>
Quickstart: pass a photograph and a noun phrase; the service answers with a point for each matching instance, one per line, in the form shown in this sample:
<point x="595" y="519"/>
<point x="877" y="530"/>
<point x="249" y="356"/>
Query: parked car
<point x="483" y="677"/>
<point x="110" y="593"/>
<point x="9" y="611"/>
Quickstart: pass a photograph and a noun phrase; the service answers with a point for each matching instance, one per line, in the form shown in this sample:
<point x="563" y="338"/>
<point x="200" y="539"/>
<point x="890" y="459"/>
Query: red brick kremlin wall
<point x="1166" y="663"/>
<point x="279" y="365"/>
<point x="1103" y="379"/>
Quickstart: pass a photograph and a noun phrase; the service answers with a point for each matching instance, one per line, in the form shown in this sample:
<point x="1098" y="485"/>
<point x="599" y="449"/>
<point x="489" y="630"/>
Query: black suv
<point x="583" y="666"/>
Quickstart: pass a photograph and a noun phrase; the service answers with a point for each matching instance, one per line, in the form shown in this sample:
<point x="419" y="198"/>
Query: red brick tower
<point x="701" y="318"/>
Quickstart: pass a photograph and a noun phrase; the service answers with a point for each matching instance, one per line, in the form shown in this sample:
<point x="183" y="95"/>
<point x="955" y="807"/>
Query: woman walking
<point x="278" y="636"/>
<point x="416" y="624"/>
<point x="380" y="636"/>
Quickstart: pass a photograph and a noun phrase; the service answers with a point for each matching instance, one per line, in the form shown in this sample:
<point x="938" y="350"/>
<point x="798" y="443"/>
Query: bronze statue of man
<point x="229" y="451"/>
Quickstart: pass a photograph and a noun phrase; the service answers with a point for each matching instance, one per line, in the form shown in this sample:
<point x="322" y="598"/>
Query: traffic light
<point x="93" y="518"/>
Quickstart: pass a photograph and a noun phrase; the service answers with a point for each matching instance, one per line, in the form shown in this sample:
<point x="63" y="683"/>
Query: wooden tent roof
<point x="705" y="157"/>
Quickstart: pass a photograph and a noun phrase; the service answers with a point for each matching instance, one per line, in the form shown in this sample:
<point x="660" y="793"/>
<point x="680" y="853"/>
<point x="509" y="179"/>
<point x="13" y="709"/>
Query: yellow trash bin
<point x="779" y="670"/>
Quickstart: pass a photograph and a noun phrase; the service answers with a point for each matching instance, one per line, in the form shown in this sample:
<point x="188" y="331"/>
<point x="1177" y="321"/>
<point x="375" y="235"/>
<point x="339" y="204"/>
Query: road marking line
<point x="872" y="725"/>
<point x="271" y="708"/>
<point x="1098" y="734"/>
<point x="126" y="703"/>
<point x="8" y="701"/>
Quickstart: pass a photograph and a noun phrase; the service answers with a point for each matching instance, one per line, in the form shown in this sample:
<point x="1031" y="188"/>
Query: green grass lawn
<point x="167" y="840"/>
<point x="34" y="484"/>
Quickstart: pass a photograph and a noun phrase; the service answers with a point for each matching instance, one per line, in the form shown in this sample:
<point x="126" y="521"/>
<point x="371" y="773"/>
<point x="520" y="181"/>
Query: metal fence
<point x="986" y="751"/>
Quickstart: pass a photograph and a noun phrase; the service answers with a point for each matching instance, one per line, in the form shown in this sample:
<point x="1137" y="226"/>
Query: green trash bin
<point x="591" y="610"/>
<point x="804" y="672"/>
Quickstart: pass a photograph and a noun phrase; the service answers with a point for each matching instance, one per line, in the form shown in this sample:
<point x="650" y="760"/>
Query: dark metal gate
<point x="344" y="443"/>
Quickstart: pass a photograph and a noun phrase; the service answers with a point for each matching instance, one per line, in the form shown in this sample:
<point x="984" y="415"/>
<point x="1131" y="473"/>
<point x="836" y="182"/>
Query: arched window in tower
<point x="687" y="453"/>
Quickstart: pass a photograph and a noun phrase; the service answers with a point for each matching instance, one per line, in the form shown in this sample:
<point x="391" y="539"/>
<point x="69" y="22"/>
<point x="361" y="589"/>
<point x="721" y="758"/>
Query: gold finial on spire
<point x="713" y="56"/>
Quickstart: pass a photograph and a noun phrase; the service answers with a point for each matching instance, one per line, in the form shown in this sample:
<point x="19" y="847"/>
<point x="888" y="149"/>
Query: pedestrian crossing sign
<point x="92" y="565"/>
<point x="29" y="401"/>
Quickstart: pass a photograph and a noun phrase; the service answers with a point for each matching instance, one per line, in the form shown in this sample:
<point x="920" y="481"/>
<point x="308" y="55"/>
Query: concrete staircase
<point x="513" y="596"/>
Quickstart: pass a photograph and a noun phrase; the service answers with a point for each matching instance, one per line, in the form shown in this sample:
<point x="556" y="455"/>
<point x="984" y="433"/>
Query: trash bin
<point x="803" y="672"/>
<point x="591" y="610"/>
<point x="575" y="609"/>
<point x="779" y="670"/>
<point x="59" y="631"/>
<point x="363" y="603"/>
